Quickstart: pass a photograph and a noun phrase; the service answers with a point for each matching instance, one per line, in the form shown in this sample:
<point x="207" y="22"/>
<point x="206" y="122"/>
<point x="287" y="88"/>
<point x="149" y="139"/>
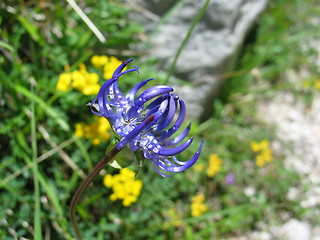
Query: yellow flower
<point x="81" y="80"/>
<point x="311" y="83"/>
<point x="98" y="131"/>
<point x="136" y="188"/>
<point x="99" y="61"/>
<point x="86" y="82"/>
<point x="64" y="82"/>
<point x="257" y="147"/>
<point x="260" y="161"/>
<point x="267" y="154"/>
<point x="108" y="180"/>
<point x="214" y="165"/>
<point x="173" y="218"/>
<point x="92" y="78"/>
<point x="80" y="130"/>
<point x="124" y="186"/>
<point x="197" y="206"/>
<point x="96" y="141"/>
<point x="78" y="80"/>
<point x="306" y="84"/>
<point x="110" y="66"/>
<point x="127" y="201"/>
<point x="317" y="84"/>
<point x="92" y="89"/>
<point x="264" y="144"/>
<point x="264" y="152"/>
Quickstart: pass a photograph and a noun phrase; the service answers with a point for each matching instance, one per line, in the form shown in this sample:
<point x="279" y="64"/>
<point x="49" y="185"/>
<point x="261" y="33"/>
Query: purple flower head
<point x="230" y="179"/>
<point x="147" y="121"/>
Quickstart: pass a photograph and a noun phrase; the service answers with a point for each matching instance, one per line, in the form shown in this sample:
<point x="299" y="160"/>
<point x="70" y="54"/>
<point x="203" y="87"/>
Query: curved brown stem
<point x="84" y="186"/>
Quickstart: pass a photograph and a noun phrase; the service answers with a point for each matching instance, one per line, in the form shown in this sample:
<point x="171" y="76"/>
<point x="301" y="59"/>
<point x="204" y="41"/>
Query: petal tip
<point x="128" y="61"/>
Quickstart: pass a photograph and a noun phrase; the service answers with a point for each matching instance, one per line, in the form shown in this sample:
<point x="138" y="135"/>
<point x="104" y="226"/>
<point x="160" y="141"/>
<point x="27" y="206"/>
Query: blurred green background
<point x="232" y="189"/>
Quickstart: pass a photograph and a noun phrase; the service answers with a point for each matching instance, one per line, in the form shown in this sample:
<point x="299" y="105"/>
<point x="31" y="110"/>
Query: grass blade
<point x="37" y="209"/>
<point x="6" y="46"/>
<point x="186" y="39"/>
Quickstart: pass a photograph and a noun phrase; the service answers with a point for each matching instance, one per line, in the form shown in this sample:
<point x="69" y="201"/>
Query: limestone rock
<point x="213" y="48"/>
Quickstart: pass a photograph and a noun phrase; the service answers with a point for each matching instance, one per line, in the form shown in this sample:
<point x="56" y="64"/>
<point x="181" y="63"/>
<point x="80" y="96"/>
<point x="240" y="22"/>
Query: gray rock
<point x="212" y="50"/>
<point x="294" y="230"/>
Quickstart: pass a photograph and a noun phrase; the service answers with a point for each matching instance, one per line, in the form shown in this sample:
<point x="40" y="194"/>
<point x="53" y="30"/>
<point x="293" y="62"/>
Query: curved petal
<point x="156" y="102"/>
<point x="153" y="110"/>
<point x="132" y="93"/>
<point x="196" y="155"/>
<point x="183" y="166"/>
<point x="146" y="96"/>
<point x="118" y="72"/>
<point x="117" y="95"/>
<point x="101" y="98"/>
<point x="156" y="169"/>
<point x="149" y="155"/>
<point x="168" y="162"/>
<point x="158" y="149"/>
<point x="167" y="119"/>
<point x="114" y="93"/>
<point x="159" y="114"/>
<point x="178" y="138"/>
<point x="177" y="124"/>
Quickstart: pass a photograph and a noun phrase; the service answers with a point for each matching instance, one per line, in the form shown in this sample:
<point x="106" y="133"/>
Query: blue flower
<point x="147" y="121"/>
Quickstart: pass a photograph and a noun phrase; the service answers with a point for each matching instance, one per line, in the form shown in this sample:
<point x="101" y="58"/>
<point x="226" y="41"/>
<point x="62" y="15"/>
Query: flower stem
<point x="84" y="186"/>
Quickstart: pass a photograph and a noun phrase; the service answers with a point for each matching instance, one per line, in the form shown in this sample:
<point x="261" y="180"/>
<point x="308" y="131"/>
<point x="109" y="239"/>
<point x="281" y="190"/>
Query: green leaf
<point x="31" y="29"/>
<point x="123" y="159"/>
<point x="52" y="194"/>
<point x="6" y="45"/>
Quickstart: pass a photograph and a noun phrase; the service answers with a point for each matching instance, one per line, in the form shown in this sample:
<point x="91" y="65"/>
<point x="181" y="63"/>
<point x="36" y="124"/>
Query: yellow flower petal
<point x="64" y="82"/>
